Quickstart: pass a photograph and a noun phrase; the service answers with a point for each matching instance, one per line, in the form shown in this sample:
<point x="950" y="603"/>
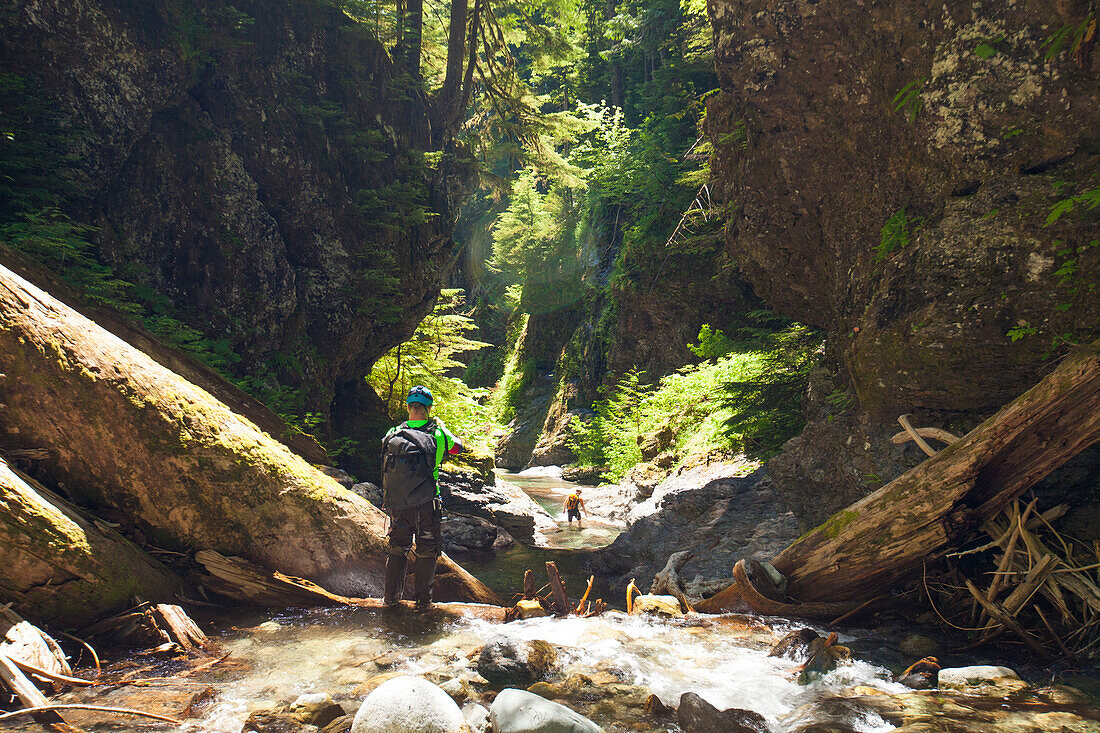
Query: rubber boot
<point x="423" y="580"/>
<point x="396" y="565"/>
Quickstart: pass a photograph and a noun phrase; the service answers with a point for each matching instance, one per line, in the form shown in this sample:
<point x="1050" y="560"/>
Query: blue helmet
<point x="420" y="394"/>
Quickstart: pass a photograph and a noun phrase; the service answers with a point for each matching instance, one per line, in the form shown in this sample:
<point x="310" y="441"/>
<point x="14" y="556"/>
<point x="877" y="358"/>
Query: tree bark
<point x="153" y="451"/>
<point x="60" y="567"/>
<point x="456" y="55"/>
<point x="888" y="534"/>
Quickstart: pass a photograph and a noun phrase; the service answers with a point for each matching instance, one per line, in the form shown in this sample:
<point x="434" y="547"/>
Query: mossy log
<point x="149" y="449"/>
<point x="887" y="535"/>
<point x="61" y="568"/>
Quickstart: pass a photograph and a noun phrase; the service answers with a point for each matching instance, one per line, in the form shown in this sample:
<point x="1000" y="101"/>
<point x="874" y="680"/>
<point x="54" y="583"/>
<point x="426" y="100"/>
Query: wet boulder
<point x="963" y="678"/>
<point x="505" y="661"/>
<point x="795" y="645"/>
<point x="921" y="675"/>
<point x="696" y="715"/>
<point x="466" y="534"/>
<point x="656" y="605"/>
<point x="409" y="705"/>
<point x="518" y="711"/>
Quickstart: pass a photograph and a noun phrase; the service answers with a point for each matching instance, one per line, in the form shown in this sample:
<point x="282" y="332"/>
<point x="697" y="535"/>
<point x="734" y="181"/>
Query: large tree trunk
<point x="59" y="567"/>
<point x="139" y="442"/>
<point x="885" y="536"/>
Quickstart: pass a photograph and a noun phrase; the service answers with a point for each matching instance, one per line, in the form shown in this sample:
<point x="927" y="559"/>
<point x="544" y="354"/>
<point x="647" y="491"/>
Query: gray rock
<point x="341" y="476"/>
<point x="519" y="711"/>
<point x="501" y="504"/>
<point x="795" y="645"/>
<point x="980" y="676"/>
<point x="918" y="645"/>
<point x="711" y="511"/>
<point x="369" y="491"/>
<point x="408" y="705"/>
<point x="505" y="661"/>
<point x="465" y="534"/>
<point x="477" y="716"/>
<point x="696" y="715"/>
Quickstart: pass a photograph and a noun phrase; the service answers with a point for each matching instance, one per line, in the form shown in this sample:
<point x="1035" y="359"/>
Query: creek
<point x="277" y="656"/>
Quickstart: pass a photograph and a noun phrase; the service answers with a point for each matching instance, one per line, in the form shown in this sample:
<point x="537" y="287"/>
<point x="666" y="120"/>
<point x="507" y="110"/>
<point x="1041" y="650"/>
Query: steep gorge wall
<point x="913" y="228"/>
<point x="258" y="170"/>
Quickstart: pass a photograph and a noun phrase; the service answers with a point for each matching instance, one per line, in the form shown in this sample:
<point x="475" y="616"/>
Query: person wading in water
<point x="411" y="455"/>
<point x="574" y="505"/>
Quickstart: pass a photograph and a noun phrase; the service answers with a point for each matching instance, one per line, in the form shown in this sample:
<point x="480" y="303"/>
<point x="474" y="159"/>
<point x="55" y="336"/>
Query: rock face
<point x="259" y="167"/>
<point x="518" y="711"/>
<point x="711" y="511"/>
<point x="409" y="705"/>
<point x="500" y="503"/>
<point x="892" y="172"/>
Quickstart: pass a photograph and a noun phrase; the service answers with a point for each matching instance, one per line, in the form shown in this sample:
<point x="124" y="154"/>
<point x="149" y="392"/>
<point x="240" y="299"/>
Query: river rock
<point x="519" y="711"/>
<point x="656" y="606"/>
<point x="795" y="645"/>
<point x="712" y="511"/>
<point x="267" y="721"/>
<point x="980" y="676"/>
<point x="370" y="492"/>
<point x="477" y="716"/>
<point x="409" y="705"/>
<point x="918" y="645"/>
<point x="529" y="608"/>
<point x="506" y="661"/>
<point x="466" y="534"/>
<point x="921" y="675"/>
<point x="696" y="715"/>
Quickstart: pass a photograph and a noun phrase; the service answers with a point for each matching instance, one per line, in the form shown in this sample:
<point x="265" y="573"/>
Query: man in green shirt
<point x="412" y="501"/>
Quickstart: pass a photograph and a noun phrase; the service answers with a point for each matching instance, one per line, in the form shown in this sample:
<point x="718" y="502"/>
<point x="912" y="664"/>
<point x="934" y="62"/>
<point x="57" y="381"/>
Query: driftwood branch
<point x="557" y="588"/>
<point x="40" y="709"/>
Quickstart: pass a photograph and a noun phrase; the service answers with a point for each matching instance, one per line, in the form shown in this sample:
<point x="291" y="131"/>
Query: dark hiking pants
<point x="422" y="523"/>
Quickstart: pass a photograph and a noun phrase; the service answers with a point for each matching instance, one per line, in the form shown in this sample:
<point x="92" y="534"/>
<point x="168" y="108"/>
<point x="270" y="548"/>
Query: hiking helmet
<point x="420" y="394"/>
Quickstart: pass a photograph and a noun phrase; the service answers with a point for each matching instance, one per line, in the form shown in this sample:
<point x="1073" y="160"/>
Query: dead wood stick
<point x="557" y="587"/>
<point x="52" y="676"/>
<point x="1023" y="592"/>
<point x="86" y="645"/>
<point x="904" y="420"/>
<point x="853" y="612"/>
<point x="935" y="433"/>
<point x="1010" y="549"/>
<point x="580" y="606"/>
<point x="530" y="592"/>
<point x="30" y="695"/>
<point x="1050" y="630"/>
<point x="97" y="708"/>
<point x="998" y="614"/>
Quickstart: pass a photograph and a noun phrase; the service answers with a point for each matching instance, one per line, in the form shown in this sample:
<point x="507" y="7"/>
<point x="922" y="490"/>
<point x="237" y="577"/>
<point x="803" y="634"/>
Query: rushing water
<point x="336" y="652"/>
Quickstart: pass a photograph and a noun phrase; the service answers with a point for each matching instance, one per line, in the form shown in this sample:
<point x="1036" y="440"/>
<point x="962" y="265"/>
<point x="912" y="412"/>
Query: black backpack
<point x="408" y="463"/>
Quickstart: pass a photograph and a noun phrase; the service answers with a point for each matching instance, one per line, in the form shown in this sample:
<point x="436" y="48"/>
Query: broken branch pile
<point x="1044" y="586"/>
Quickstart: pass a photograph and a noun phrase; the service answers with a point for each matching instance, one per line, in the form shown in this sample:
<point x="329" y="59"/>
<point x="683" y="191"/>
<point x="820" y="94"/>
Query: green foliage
<point x="713" y="344"/>
<point x="908" y="100"/>
<point x="429" y="358"/>
<point x="895" y="234"/>
<point x="1088" y="200"/>
<point x="1069" y="37"/>
<point x="766" y="409"/>
<point x="517" y="376"/>
<point x="987" y="48"/>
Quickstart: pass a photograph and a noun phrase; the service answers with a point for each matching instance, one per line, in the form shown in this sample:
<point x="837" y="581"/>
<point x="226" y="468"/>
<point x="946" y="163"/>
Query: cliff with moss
<point x="252" y="181"/>
<point x="920" y="181"/>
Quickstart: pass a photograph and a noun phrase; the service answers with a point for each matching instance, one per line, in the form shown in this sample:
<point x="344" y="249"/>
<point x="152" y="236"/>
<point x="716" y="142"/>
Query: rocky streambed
<point x="305" y="672"/>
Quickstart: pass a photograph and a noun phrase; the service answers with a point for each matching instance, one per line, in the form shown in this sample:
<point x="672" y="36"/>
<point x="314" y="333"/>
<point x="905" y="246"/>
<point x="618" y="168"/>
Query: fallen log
<point x="150" y="625"/>
<point x="22" y="641"/>
<point x="62" y="567"/>
<point x="886" y="536"/>
<point x="159" y="454"/>
<point x="256" y="585"/>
